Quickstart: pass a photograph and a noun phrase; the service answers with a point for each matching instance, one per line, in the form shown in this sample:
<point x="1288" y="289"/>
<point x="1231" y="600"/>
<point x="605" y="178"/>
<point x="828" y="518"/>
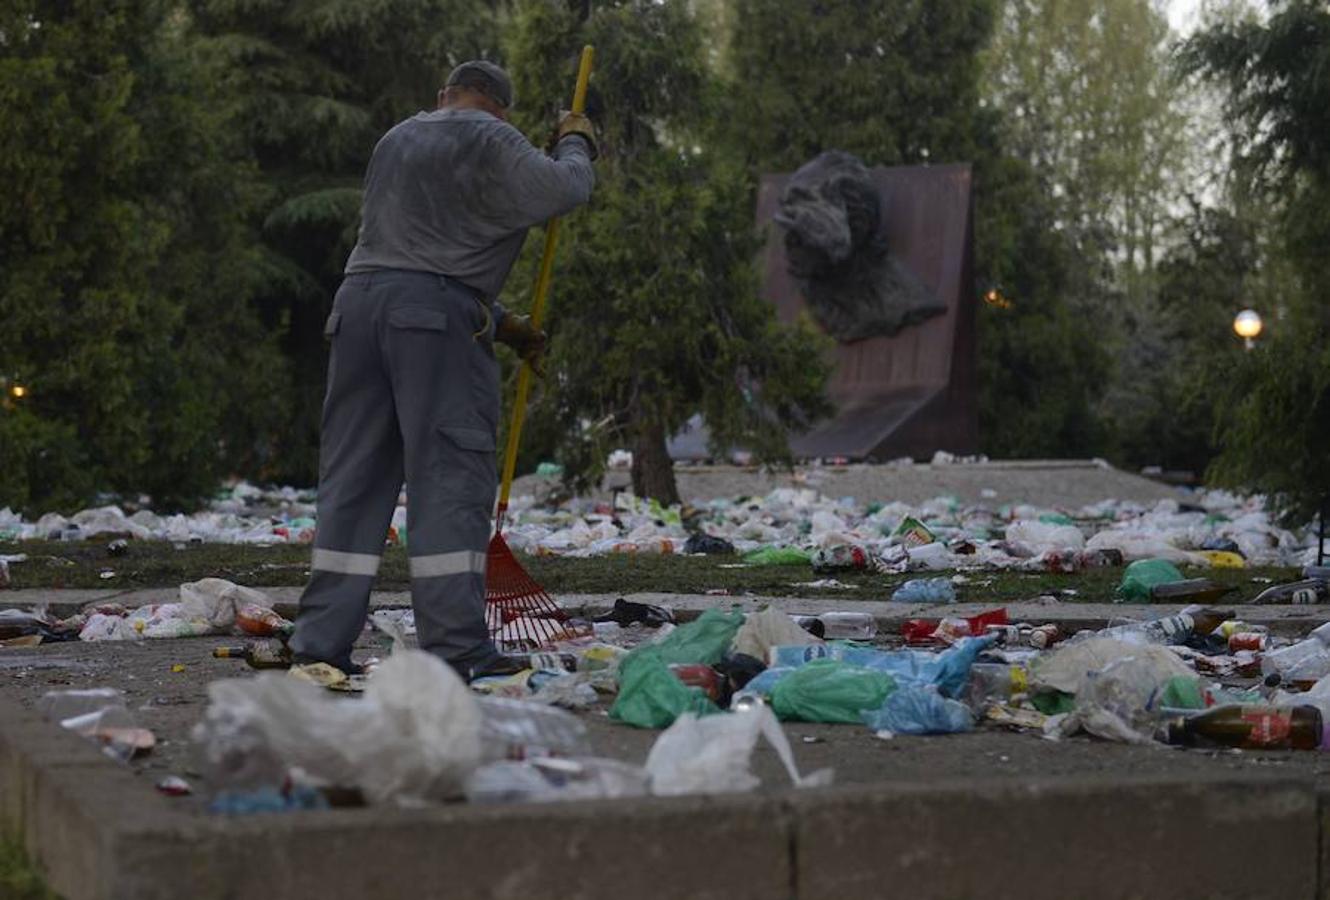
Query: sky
<point x="1183" y="14"/>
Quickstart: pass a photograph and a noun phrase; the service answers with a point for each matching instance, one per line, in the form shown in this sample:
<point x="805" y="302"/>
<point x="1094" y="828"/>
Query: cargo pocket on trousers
<point x="465" y="468"/>
<point x="418" y="318"/>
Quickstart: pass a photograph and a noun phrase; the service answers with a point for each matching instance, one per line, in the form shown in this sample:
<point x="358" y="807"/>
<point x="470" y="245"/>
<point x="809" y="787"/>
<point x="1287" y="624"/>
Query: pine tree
<point x="655" y="314"/>
<point x="122" y="267"/>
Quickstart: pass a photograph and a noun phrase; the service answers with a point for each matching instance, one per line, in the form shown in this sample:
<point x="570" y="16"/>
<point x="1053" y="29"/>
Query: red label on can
<point x="1268" y="727"/>
<point x="1246" y="640"/>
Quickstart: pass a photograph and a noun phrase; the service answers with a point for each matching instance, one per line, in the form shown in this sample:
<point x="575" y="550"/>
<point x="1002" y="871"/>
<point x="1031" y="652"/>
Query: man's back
<point x="454" y="191"/>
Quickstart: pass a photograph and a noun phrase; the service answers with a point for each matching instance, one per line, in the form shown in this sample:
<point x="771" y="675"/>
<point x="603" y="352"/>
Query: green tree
<point x="655" y="315"/>
<point x="1274" y="421"/>
<point x="315" y="86"/>
<point x="892" y="82"/>
<point x="123" y="272"/>
<point x="901" y="83"/>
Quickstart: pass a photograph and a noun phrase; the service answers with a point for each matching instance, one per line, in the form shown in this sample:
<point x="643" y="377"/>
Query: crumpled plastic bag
<point x="769" y="628"/>
<point x="546" y="780"/>
<point x="650" y="696"/>
<point x="1067" y="667"/>
<point x="1141" y="576"/>
<point x="919" y="709"/>
<point x="412" y="738"/>
<point x="1135" y="545"/>
<point x="1121" y="701"/>
<point x="103" y="627"/>
<point x="712" y="755"/>
<point x="1042" y="536"/>
<point x="216" y="601"/>
<point x="828" y="690"/>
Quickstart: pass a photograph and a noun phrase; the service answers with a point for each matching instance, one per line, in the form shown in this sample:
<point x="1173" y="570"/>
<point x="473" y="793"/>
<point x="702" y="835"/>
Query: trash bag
<point x="1067" y="667"/>
<point x="1121" y="702"/>
<point x="917" y="709"/>
<point x="1041" y="536"/>
<point x="704" y="640"/>
<point x="412" y="738"/>
<point x="827" y="690"/>
<point x="708" y="544"/>
<point x="777" y="556"/>
<point x="712" y="755"/>
<point x="949" y="670"/>
<point x="769" y="628"/>
<point x="1142" y="575"/>
<point x="217" y="601"/>
<point x="649" y="694"/>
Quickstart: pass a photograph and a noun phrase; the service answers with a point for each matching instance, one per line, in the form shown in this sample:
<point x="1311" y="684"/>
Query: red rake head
<point x="517" y="609"/>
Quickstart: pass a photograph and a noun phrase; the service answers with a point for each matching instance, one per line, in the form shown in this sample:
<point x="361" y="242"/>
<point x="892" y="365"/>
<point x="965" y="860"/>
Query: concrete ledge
<point x="99" y="833"/>
<point x="1102" y="838"/>
<point x="1284" y="619"/>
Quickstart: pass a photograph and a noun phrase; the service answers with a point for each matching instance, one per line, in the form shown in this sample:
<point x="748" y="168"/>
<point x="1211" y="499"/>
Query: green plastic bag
<point x="651" y="697"/>
<point x="777" y="556"/>
<point x="704" y="640"/>
<point x="828" y="690"/>
<point x="1052" y="703"/>
<point x="1143" y="575"/>
<point x="1181" y="692"/>
<point x="649" y="694"/>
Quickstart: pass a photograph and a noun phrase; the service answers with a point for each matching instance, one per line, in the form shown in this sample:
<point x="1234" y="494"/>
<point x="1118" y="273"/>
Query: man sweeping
<point x="413" y="383"/>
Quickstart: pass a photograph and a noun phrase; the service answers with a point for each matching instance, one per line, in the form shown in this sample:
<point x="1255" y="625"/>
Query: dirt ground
<point x="171" y="702"/>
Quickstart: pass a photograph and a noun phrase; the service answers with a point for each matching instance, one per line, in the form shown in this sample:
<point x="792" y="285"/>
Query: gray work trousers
<point x="413" y="394"/>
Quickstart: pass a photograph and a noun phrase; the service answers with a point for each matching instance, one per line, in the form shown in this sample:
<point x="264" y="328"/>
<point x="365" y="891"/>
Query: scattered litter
<point x="175" y="786"/>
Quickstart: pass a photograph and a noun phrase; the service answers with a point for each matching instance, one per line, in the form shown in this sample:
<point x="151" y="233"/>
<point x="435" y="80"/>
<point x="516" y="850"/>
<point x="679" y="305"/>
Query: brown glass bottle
<point x="1194" y="590"/>
<point x="258" y="656"/>
<point x="1252" y="727"/>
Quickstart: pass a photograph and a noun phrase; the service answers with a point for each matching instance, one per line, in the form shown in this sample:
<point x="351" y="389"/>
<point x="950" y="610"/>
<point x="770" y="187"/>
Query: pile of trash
<point x="722" y="682"/>
<point x="211" y="606"/>
<point x="786" y="525"/>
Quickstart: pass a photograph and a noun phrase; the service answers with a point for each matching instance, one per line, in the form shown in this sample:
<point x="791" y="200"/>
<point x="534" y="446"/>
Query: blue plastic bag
<point x="914" y="709"/>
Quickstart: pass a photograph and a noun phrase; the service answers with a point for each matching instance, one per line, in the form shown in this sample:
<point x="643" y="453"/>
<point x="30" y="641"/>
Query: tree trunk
<point x="653" y="470"/>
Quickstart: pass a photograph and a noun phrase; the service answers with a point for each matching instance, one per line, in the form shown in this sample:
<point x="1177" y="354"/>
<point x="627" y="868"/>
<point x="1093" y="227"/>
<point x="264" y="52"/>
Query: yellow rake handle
<point x="538" y="309"/>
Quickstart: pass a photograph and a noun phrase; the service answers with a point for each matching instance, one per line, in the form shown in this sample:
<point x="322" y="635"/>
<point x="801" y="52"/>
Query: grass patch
<point x="19" y="878"/>
<point x="56" y="564"/>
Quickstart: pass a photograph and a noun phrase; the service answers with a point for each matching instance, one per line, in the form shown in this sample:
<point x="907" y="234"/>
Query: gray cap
<point x="484" y="76"/>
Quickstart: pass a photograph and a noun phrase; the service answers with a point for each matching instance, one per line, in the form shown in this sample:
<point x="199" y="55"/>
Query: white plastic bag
<point x="1119" y="702"/>
<point x="101" y="627"/>
<point x="769" y="628"/>
<point x="1067" y="667"/>
<point x="216" y="601"/>
<point x="1041" y="536"/>
<point x="413" y="738"/>
<point x="547" y="779"/>
<point x="711" y="755"/>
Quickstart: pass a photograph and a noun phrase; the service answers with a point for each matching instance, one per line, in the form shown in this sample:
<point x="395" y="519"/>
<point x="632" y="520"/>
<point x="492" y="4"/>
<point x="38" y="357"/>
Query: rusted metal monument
<point x="881" y="260"/>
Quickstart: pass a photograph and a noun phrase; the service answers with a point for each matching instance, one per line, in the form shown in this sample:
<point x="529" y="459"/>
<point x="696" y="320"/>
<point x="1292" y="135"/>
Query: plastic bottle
<point x="518" y="729"/>
<point x="995" y="683"/>
<point x="260" y="621"/>
<point x="925" y="590"/>
<point x="1252" y="727"/>
<point x="1170" y="629"/>
<point x="1313" y="590"/>
<point x="1303" y="656"/>
<point x="836" y="626"/>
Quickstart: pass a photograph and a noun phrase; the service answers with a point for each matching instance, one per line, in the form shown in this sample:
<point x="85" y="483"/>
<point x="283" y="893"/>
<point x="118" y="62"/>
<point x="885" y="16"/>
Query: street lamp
<point x="1247" y="325"/>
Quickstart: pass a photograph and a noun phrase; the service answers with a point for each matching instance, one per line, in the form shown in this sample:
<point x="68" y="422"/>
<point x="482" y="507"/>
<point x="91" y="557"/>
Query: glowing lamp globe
<point x="1247" y="324"/>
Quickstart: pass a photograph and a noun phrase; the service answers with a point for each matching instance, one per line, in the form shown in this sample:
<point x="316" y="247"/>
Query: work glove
<point x="525" y="339"/>
<point x="578" y="124"/>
